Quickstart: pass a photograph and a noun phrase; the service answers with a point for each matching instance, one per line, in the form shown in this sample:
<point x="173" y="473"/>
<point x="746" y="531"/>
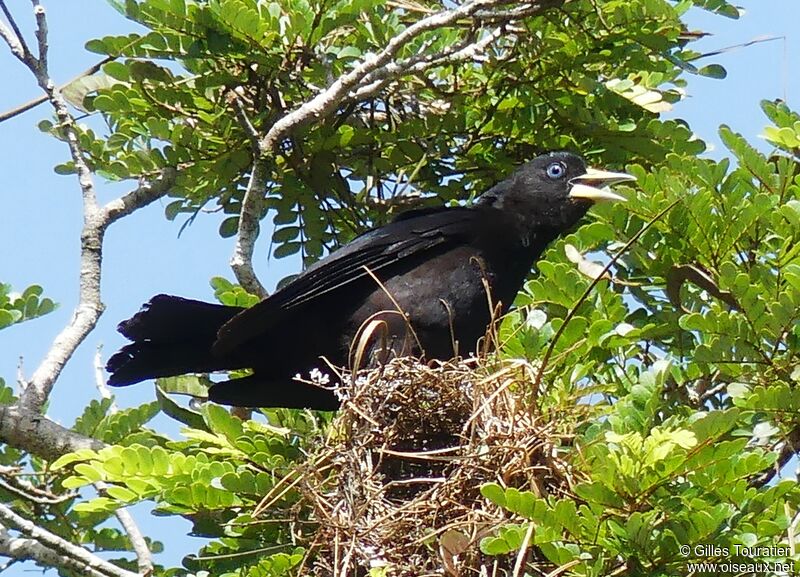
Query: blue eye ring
<point x="556" y="170"/>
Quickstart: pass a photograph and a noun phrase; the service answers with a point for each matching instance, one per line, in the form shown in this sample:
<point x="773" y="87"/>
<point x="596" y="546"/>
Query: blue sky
<point x="41" y="215"/>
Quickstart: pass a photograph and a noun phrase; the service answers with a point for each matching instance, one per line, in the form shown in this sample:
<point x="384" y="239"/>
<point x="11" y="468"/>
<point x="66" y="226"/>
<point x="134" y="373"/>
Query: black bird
<point x="428" y="269"/>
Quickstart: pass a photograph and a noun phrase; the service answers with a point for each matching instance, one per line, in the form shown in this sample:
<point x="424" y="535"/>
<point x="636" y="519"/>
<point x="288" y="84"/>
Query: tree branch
<point x="90" y="306"/>
<point x="316" y="108"/>
<point x="56" y="548"/>
<point x="34" y="433"/>
<point x="11" y="480"/>
<point x="17" y="110"/>
<point x="41" y="36"/>
<point x="22" y="549"/>
<point x="22" y="425"/>
<point x="787" y="451"/>
<point x="13" y="37"/>
<point x="233" y="99"/>
<point x="13" y="41"/>
<point x="327" y="101"/>
<point x="252" y="209"/>
<point x="95" y="222"/>
<point x="146" y="193"/>
<point x="380" y="78"/>
<point x="144" y="558"/>
<point x="364" y="80"/>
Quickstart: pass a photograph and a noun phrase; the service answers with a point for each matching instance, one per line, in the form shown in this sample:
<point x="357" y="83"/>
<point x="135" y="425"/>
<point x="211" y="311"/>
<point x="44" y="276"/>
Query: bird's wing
<point x="399" y="244"/>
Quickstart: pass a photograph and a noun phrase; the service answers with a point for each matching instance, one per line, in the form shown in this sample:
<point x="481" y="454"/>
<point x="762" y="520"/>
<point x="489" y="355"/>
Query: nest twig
<point x="409" y="450"/>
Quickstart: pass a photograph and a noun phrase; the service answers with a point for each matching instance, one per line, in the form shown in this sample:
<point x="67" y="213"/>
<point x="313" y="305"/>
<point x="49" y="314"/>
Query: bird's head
<point x="554" y="190"/>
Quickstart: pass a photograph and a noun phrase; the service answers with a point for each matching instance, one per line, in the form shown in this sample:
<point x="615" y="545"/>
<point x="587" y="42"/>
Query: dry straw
<point x="396" y="486"/>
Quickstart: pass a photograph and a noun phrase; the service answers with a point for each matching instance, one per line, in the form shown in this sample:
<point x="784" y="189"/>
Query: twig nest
<point x="397" y="484"/>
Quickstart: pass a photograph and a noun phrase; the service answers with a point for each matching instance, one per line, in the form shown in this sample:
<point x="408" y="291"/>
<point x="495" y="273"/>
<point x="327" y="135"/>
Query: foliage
<point x="16" y="308"/>
<point x="555" y="83"/>
<point x="216" y="476"/>
<point x="670" y="388"/>
<point x="35" y="491"/>
<point x="689" y="391"/>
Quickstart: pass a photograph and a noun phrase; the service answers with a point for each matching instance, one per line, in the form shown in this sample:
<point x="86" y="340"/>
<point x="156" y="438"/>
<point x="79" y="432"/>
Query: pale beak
<point x="594" y="185"/>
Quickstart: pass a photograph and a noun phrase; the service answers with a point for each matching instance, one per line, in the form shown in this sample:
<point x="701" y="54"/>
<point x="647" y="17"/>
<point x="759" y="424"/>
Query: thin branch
<point x="95" y="222"/>
<point x="90" y="306"/>
<point x="379" y="79"/>
<point x="410" y="6"/>
<point x="12" y="482"/>
<point x="322" y="104"/>
<point x="41" y="36"/>
<point x="788" y="450"/>
<point x="252" y="206"/>
<point x="523" y="551"/>
<point x="422" y="61"/>
<point x="35" y="434"/>
<point x="146" y="193"/>
<point x="17" y="48"/>
<point x="524" y="11"/>
<point x="249" y="218"/>
<point x="144" y="557"/>
<point x="13" y="36"/>
<point x="86" y="561"/>
<point x="601" y="275"/>
<point x="23" y="549"/>
<point x="17" y="110"/>
<point x="244" y="120"/>
<point x="100" y="379"/>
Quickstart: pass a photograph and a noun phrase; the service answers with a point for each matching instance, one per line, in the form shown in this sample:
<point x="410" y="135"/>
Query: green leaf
<point x="286" y="249"/>
<point x="229" y="227"/>
<point x="98" y="505"/>
<point x="170" y="408"/>
<point x="121" y="494"/>
<point x="494" y="493"/>
<point x="89" y="472"/>
<point x="713" y="71"/>
<point x="220" y="421"/>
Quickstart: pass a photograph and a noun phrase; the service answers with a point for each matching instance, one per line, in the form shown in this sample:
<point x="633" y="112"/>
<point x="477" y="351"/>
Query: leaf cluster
<point x="37" y="490"/>
<point x="215" y="476"/>
<point x="681" y="389"/>
<point x="206" y="78"/>
<point x="20" y="307"/>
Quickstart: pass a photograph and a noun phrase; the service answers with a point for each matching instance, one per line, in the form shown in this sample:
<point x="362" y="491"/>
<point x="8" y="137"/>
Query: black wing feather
<point x="374" y="251"/>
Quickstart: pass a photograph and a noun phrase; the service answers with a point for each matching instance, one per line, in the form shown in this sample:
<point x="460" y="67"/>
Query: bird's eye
<point x="556" y="170"/>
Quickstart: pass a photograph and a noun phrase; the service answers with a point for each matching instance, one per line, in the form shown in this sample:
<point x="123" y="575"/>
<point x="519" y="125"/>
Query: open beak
<point x="594" y="185"/>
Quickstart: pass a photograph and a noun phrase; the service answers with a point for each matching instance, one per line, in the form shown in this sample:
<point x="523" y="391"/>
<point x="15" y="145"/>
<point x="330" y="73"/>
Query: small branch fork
<point x="366" y="79"/>
<point x="22" y="425"/>
<point x="96" y="221"/>
<point x="49" y="549"/>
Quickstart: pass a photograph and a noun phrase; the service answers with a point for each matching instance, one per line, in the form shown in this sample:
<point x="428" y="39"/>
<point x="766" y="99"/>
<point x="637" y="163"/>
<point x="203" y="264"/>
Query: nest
<point x="397" y="484"/>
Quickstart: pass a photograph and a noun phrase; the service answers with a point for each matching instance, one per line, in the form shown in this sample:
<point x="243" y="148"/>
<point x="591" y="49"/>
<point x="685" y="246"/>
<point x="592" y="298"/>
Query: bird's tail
<point x="257" y="391"/>
<point x="171" y="336"/>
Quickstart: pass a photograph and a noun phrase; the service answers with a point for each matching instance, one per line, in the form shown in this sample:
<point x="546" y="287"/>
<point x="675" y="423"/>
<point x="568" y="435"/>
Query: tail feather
<point x="171" y="336"/>
<point x="257" y="391"/>
<point x="167" y="319"/>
